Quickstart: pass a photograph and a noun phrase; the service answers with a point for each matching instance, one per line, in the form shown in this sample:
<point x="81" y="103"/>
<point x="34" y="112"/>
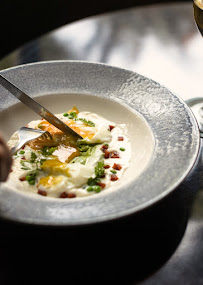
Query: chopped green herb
<point x="33" y="157"/>
<point x="81" y="142"/>
<point x="48" y="150"/>
<point x="42" y="160"/>
<point x="29" y="177"/>
<point x="88" y="152"/>
<point x="52" y="149"/>
<point x="93" y="181"/>
<point x="99" y="169"/>
<point x="32" y="182"/>
<point x="33" y="174"/>
<point x="89" y="123"/>
<point x="21" y="152"/>
<point x="72" y="115"/>
<point x="122" y="148"/>
<point x="113" y="171"/>
<point x="95" y="188"/>
<point x="25" y="168"/>
<point x="24" y="165"/>
<point x="45" y="150"/>
<point x="84" y="148"/>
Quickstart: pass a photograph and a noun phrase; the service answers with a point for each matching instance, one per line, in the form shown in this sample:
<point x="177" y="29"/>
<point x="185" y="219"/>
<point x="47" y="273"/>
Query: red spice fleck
<point x="63" y="195"/>
<point x="111" y="127"/>
<point x="104" y="147"/>
<point x="23" y="158"/>
<point x="23" y="147"/>
<point x="117" y="166"/>
<point x="11" y="170"/>
<point x="67" y="195"/>
<point x="102" y="176"/>
<point x="106" y="153"/>
<point x="114" y="154"/>
<point x="22" y="178"/>
<point x="102" y="185"/>
<point x="71" y="195"/>
<point x="42" y="192"/>
<point x="120" y="138"/>
<point x="111" y="154"/>
<point x="114" y="177"/>
<point x="106" y="166"/>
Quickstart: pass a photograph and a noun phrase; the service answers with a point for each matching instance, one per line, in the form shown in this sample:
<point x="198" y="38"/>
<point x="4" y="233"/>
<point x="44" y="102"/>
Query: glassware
<point x="196" y="104"/>
<point x="198" y="14"/>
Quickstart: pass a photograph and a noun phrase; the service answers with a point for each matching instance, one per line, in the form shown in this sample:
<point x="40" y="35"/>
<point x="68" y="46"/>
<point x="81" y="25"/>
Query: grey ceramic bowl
<point x="163" y="132"/>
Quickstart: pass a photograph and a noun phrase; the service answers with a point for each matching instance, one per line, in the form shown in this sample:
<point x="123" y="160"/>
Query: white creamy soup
<point x="67" y="166"/>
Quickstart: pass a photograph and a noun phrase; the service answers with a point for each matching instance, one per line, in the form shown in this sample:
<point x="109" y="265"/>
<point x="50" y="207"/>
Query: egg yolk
<point x="49" y="181"/>
<point x="80" y="129"/>
<point x="55" y="167"/>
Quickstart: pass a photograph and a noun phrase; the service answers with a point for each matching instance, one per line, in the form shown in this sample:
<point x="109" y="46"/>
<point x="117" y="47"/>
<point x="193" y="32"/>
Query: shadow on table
<point x="124" y="251"/>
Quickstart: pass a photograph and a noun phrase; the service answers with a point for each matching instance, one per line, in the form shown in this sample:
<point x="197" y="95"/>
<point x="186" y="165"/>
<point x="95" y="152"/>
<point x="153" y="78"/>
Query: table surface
<point x="160" y="42"/>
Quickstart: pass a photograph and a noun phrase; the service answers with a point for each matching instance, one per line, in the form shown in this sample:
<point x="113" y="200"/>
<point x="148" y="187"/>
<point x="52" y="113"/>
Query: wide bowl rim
<point x="131" y="210"/>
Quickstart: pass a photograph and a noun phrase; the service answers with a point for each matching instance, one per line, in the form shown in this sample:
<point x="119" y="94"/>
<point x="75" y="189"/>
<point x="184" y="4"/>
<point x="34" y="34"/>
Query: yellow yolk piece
<point x="74" y="109"/>
<point x="46" y="126"/>
<point x="59" y="137"/>
<point x="80" y="129"/>
<point x="49" y="181"/>
<point x="55" y="167"/>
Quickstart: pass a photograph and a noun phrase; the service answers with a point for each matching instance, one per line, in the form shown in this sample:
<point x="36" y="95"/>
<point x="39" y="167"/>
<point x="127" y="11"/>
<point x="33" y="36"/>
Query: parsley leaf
<point x="93" y="181"/>
<point x="33" y="157"/>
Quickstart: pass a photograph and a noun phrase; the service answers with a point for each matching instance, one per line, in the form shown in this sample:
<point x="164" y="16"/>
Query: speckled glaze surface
<point x="172" y="123"/>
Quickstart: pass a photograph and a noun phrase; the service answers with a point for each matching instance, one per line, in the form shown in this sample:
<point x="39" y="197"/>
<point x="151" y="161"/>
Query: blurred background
<point x="22" y="21"/>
